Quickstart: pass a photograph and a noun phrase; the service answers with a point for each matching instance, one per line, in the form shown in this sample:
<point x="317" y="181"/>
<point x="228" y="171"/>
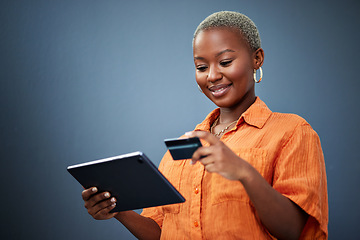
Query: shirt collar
<point x="256" y="115"/>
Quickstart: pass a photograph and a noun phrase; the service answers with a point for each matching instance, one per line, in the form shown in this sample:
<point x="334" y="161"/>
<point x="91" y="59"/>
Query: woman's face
<point x="224" y="67"/>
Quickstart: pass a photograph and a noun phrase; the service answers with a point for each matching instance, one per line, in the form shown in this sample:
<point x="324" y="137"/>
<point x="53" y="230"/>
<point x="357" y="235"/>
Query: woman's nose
<point x="214" y="74"/>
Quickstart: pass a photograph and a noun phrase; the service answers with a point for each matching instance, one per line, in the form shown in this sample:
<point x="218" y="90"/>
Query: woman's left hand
<point x="219" y="158"/>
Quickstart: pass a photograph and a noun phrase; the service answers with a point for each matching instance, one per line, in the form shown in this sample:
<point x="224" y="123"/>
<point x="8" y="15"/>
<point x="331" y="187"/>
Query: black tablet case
<point x="131" y="178"/>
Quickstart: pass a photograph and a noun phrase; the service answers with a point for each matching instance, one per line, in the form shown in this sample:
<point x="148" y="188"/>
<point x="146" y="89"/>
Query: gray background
<point x="83" y="80"/>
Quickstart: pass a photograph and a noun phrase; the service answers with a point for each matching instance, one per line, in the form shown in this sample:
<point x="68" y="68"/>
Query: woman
<point x="263" y="174"/>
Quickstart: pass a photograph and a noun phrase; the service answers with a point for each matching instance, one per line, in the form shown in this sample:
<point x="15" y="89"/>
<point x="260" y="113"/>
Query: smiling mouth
<point x="219" y="90"/>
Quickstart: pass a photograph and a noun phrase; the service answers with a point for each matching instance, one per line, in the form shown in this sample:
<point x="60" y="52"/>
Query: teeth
<point x="219" y="90"/>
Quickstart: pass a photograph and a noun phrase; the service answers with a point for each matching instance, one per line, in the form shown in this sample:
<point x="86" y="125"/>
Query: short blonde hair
<point x="234" y="20"/>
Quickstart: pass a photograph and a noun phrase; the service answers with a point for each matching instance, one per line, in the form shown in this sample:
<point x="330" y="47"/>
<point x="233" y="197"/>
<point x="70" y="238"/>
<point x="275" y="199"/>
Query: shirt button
<point x="196" y="191"/>
<point x="196" y="224"/>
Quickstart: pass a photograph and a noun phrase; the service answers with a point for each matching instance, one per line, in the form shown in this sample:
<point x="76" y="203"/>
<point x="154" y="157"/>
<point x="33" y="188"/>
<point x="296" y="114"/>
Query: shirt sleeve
<point x="300" y="176"/>
<point x="156" y="213"/>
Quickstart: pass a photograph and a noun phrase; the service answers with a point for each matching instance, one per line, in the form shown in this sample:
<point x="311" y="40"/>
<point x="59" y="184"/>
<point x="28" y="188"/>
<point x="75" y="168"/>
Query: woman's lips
<point x="219" y="90"/>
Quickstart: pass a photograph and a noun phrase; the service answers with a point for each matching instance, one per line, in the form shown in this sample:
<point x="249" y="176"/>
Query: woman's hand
<point x="99" y="204"/>
<point x="283" y="218"/>
<point x="219" y="158"/>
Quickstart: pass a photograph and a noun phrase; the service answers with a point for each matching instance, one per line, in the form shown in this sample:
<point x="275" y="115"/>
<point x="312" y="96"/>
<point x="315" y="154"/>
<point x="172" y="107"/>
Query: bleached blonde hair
<point x="233" y="20"/>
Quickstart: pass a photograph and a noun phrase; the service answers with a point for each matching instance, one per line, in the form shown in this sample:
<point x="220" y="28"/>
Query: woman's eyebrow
<point x="224" y="51"/>
<point x="199" y="58"/>
<point x="218" y="54"/>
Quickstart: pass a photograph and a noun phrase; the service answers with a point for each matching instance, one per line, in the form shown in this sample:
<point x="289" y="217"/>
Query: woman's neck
<point x="228" y="115"/>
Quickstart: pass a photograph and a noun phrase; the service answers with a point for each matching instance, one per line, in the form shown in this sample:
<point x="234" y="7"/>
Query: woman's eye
<point x="201" y="68"/>
<point x="225" y="62"/>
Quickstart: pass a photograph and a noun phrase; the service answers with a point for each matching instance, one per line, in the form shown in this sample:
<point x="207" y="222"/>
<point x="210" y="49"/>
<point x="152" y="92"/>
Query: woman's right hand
<point x="99" y="205"/>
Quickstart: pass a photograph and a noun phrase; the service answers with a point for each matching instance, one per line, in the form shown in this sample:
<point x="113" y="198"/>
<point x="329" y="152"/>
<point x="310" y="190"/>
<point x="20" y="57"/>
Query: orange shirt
<point x="282" y="147"/>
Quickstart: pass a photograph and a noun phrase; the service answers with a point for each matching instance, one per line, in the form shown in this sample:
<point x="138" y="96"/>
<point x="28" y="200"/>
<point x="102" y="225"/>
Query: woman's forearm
<point x="283" y="218"/>
<point x="141" y="227"/>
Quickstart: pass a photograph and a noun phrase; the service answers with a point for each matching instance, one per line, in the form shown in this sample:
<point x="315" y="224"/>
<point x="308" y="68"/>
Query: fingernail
<point x="113" y="200"/>
<point x="107" y="195"/>
<point x="189" y="133"/>
<point x="113" y="205"/>
<point x="94" y="189"/>
<point x="192" y="162"/>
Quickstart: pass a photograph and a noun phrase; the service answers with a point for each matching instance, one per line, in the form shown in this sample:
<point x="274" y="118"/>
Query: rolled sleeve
<point x="300" y="176"/>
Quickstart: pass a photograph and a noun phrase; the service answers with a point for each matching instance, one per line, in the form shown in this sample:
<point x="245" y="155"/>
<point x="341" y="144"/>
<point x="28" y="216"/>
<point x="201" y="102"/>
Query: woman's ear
<point x="258" y="57"/>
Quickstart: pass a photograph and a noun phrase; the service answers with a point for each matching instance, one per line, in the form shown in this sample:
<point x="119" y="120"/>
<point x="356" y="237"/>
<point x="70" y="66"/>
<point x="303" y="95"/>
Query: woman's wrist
<point x="122" y="215"/>
<point x="247" y="173"/>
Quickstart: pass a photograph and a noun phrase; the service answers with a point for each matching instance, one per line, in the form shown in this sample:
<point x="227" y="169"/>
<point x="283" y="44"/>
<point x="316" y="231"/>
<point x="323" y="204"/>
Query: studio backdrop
<point x="83" y="80"/>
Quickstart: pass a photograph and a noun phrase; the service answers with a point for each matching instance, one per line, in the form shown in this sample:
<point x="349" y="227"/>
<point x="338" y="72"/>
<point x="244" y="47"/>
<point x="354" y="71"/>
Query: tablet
<point x="131" y="178"/>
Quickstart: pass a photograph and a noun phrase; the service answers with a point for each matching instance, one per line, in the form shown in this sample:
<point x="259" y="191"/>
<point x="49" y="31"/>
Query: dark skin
<point x="224" y="71"/>
<point x="228" y="64"/>
<point x="99" y="206"/>
<point x="222" y="58"/>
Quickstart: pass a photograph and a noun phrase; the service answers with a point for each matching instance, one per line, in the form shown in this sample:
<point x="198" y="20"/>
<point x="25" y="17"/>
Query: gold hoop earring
<point x="200" y="89"/>
<point x="261" y="75"/>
